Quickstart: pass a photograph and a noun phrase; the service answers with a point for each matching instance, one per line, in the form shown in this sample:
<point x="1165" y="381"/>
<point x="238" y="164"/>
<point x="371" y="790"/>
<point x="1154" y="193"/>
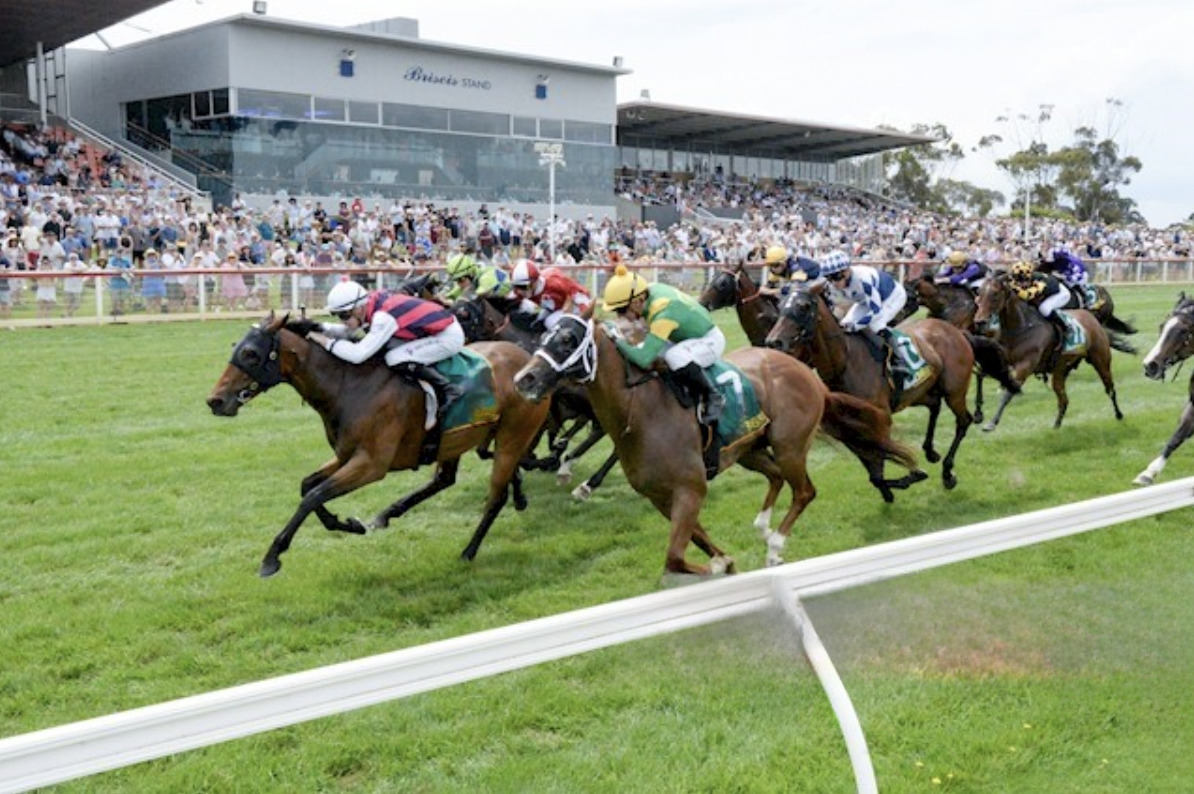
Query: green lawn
<point x="134" y="522"/>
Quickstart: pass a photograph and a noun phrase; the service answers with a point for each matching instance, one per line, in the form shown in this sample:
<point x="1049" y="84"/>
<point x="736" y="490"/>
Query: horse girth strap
<point x="266" y="369"/>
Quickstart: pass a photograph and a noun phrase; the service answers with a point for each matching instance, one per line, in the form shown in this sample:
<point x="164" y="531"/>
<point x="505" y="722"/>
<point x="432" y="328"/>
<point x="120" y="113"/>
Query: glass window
<point x="329" y="109"/>
<point x="220" y="106"/>
<point x="551" y="128"/>
<point x="272" y="104"/>
<point x="588" y="132"/>
<point x="480" y="123"/>
<point x="202" y="103"/>
<point x="422" y="118"/>
<point x="362" y="112"/>
<point x="525" y="127"/>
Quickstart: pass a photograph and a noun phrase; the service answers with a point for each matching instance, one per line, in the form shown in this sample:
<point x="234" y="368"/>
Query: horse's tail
<point x="991" y="359"/>
<point x="1116" y="325"/>
<point x="1121" y="344"/>
<point x="864" y="429"/>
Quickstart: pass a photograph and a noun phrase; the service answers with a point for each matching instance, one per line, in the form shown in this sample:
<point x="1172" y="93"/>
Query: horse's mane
<point x="302" y="326"/>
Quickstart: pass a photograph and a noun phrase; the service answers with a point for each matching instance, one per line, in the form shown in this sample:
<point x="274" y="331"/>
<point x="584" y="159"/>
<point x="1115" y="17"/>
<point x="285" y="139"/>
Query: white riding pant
<point x="429" y="349"/>
<point x="1055" y="302"/>
<point x="704" y="350"/>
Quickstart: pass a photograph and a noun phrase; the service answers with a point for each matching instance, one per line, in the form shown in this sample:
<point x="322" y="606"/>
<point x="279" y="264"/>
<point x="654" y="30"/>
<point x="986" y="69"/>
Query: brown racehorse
<point x="808" y="329"/>
<point x="757" y="311"/>
<point x="374" y="424"/>
<point x="571" y="412"/>
<point x="659" y="442"/>
<point x="1030" y="340"/>
<point x="1175" y="345"/>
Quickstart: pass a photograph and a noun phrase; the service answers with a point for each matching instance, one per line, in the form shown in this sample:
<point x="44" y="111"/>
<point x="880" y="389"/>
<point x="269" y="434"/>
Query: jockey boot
<point x="1057" y="322"/>
<point x="446" y="392"/>
<point x="896" y="371"/>
<point x="698" y="383"/>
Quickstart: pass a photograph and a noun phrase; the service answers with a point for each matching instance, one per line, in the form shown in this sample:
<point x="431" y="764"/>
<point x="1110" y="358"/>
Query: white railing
<point x="84" y="748"/>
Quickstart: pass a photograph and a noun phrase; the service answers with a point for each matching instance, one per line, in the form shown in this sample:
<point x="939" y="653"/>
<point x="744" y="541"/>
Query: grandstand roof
<point x="654" y="125"/>
<point x="56" y="23"/>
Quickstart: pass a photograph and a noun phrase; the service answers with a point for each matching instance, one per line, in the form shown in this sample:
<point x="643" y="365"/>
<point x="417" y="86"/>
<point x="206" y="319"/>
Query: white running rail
<point x="84" y="748"/>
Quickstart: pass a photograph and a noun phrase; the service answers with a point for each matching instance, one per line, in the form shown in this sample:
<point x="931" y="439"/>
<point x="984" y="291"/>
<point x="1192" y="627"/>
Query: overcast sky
<point x="860" y="63"/>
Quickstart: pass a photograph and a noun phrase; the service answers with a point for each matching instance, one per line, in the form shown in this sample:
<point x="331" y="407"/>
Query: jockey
<point x="1043" y="291"/>
<point x="680" y="331"/>
<point x="783" y="269"/>
<point x="874" y="298"/>
<point x="961" y="271"/>
<point x="415" y="333"/>
<point x="1071" y="271"/>
<point x="478" y="278"/>
<point x="549" y="293"/>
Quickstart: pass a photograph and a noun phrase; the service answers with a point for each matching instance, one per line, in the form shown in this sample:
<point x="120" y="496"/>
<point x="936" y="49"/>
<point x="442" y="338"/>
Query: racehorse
<point x="955" y="305"/>
<point x="808" y="329"/>
<point x="659" y="441"/>
<point x="757" y="311"/>
<point x="1030" y="340"/>
<point x="570" y="408"/>
<point x="375" y="424"/>
<point x="1175" y="345"/>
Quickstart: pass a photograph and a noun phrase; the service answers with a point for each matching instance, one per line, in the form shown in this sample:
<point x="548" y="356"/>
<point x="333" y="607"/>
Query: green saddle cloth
<point x="916" y="369"/>
<point x="1075" y="335"/>
<point x="478" y="405"/>
<point x="742" y="418"/>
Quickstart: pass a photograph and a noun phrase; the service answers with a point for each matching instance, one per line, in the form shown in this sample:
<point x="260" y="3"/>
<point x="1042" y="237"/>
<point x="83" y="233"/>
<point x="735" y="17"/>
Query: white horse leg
<point x="720" y="565"/>
<point x="763" y="523"/>
<point x="582" y="492"/>
<point x="1150" y="474"/>
<point x="564" y="473"/>
<point x="775" y="548"/>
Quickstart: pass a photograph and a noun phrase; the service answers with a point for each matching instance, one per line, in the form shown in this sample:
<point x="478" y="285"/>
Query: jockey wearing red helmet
<point x="548" y="292"/>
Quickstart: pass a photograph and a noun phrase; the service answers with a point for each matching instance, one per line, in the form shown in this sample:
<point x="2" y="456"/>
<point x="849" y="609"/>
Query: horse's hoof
<point x="520" y="503"/>
<point x="1143" y="479"/>
<point x="721" y="565"/>
<point x="269" y="567"/>
<point x="582" y="492"/>
<point x="932" y="455"/>
<point x="989" y="426"/>
<point x="917" y="476"/>
<point x="355" y="527"/>
<point x="377" y="525"/>
<point x="978" y="417"/>
<point x="469" y="554"/>
<point x="949" y="481"/>
<point x="563" y="477"/>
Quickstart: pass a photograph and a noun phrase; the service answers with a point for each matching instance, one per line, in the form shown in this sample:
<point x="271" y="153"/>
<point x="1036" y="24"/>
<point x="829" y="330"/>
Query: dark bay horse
<point x="1175" y="345"/>
<point x="808" y="328"/>
<point x="659" y="442"/>
<point x="374" y="422"/>
<point x="955" y="305"/>
<point x="1030" y="340"/>
<point x="483" y="320"/>
<point x="757" y="311"/>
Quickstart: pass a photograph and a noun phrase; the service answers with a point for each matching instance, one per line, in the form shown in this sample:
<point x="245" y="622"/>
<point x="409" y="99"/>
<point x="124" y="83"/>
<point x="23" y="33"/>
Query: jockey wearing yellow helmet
<point x="783" y="269"/>
<point x="1041" y="290"/>
<point x="960" y="270"/>
<point x="679" y="330"/>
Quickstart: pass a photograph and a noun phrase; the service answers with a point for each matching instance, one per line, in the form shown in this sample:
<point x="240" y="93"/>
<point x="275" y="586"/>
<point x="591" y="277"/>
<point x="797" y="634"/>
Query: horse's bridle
<point x="803" y="322"/>
<point x="583" y="355"/>
<point x="264" y="369"/>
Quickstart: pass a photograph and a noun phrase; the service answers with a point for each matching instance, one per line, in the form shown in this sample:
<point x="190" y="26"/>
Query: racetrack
<point x="136" y="522"/>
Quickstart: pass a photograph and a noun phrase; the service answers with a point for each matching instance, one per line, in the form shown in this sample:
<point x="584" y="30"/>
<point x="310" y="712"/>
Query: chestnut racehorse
<point x="809" y="330"/>
<point x="1175" y="345"/>
<point x="659" y="441"/>
<point x="374" y="422"/>
<point x="1030" y="340"/>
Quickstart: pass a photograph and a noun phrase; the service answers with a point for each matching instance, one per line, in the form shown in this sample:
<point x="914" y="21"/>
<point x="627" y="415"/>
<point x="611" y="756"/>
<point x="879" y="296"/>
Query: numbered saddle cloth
<point x="478" y="404"/>
<point x="914" y="366"/>
<point x="1075" y="335"/>
<point x="1093" y="301"/>
<point x="742" y="420"/>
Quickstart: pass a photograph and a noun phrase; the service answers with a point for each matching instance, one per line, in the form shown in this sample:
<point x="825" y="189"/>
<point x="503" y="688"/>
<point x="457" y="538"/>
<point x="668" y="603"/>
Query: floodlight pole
<point x="551" y="155"/>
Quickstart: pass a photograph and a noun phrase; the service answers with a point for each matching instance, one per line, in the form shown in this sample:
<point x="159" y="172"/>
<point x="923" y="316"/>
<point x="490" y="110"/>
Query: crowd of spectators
<point x="71" y="209"/>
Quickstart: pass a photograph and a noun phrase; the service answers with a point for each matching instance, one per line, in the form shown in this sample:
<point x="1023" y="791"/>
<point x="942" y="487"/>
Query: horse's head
<point x="992" y="296"/>
<point x="255" y="367"/>
<point x="471" y="315"/>
<point x="567" y="353"/>
<point x="1176" y="342"/>
<point x="721" y="292"/>
<point x="797" y="320"/>
<point x="424" y="286"/>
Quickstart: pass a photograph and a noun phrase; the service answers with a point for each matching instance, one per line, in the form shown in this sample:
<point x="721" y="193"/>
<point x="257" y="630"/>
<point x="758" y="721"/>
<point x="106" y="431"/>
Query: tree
<point x="971" y="201"/>
<point x="1090" y="173"/>
<point x="914" y="172"/>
